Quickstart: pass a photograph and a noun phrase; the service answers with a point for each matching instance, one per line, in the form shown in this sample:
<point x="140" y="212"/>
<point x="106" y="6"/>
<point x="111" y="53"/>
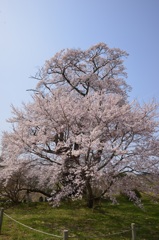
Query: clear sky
<point x="32" y="31"/>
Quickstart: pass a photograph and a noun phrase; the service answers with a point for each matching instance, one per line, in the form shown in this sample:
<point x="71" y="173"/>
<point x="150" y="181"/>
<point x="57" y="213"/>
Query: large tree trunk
<point x="90" y="202"/>
<point x="89" y="195"/>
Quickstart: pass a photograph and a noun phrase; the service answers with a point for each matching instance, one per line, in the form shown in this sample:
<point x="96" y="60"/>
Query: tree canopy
<point x="80" y="135"/>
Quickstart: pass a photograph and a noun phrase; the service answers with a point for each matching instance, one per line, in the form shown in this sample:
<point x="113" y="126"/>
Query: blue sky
<point x="32" y="31"/>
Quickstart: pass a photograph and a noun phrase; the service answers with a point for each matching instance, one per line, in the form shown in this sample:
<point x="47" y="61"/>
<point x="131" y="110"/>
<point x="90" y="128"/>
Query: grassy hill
<point x="81" y="222"/>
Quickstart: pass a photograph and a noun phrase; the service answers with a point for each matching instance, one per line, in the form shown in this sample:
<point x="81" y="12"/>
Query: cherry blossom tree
<point x="81" y="127"/>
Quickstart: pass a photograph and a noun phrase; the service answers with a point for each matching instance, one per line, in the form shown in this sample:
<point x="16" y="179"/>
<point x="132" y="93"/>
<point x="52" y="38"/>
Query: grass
<point x="81" y="222"/>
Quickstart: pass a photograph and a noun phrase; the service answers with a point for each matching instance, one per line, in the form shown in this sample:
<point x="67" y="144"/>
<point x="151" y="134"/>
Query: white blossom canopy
<point x="81" y="124"/>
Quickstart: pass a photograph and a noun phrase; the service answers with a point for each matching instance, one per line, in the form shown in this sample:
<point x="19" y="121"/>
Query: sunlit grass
<point x="81" y="222"/>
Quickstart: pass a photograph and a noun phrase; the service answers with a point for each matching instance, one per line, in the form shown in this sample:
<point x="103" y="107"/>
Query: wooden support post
<point x="1" y="218"/>
<point x="133" y="231"/>
<point x="65" y="235"/>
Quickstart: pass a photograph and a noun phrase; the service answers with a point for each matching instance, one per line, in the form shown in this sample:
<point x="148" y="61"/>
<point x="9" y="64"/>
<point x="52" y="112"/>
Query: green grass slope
<point x="106" y="222"/>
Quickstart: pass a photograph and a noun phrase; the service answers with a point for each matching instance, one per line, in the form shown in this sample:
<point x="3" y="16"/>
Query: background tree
<point x="81" y="124"/>
<point x="17" y="182"/>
